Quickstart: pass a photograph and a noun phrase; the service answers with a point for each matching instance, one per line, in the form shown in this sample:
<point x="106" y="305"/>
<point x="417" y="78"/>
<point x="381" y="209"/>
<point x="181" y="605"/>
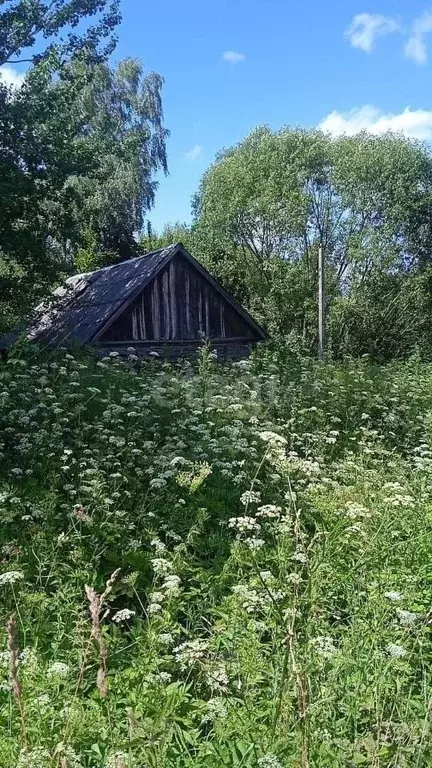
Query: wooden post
<point x="321" y="303"/>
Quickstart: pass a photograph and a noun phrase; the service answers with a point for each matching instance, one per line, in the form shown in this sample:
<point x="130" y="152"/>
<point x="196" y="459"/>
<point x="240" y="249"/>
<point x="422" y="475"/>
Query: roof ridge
<point x="85" y="275"/>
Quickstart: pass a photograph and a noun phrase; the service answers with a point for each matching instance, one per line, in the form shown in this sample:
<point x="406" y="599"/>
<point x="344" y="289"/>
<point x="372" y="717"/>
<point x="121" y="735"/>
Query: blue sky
<point x="287" y="62"/>
<point x="299" y="66"/>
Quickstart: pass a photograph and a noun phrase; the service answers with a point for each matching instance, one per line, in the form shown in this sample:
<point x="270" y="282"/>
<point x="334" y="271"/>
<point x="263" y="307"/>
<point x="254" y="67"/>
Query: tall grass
<point x="215" y="566"/>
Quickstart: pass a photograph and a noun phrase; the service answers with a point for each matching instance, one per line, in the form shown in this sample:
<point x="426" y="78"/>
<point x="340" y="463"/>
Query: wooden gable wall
<point x="179" y="304"/>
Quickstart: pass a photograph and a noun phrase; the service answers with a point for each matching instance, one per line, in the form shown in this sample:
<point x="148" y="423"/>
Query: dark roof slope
<point x="88" y="301"/>
<point x="80" y="310"/>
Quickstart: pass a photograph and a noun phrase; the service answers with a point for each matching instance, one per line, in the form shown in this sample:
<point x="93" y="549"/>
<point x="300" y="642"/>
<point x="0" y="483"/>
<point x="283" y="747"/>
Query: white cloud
<point x="11" y="77"/>
<point x="416" y="48"/>
<point x="366" y="27"/>
<point x="195" y="153"/>
<point x="415" y="123"/>
<point x="234" y="57"/>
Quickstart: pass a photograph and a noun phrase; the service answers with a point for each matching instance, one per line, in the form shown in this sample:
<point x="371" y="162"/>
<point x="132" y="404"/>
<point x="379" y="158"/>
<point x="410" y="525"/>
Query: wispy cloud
<point x="416" y="48"/>
<point x="11" y="77"/>
<point x="233" y="57"/>
<point x="365" y="28"/>
<point x="415" y="123"/>
<point x="195" y="153"/>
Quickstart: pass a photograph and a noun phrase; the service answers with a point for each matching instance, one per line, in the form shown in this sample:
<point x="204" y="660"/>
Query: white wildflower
<point x="266" y="576"/>
<point x="244" y="524"/>
<point x="272" y="438"/>
<point x="38" y="757"/>
<point x="11" y="577"/>
<point x="158" y="545"/>
<point x="171" y="585"/>
<point x="58" y="669"/>
<point x="123" y="615"/>
<point x="217" y="677"/>
<point x="250" y="497"/>
<point x="355" y="510"/>
<point x="190" y="652"/>
<point x="158" y="677"/>
<point x="396" y="651"/>
<point x="269" y="511"/>
<point x="294" y="578"/>
<point x="117" y="760"/>
<point x="269" y="761"/>
<point x="299" y="557"/>
<point x="161" y="566"/>
<point x="157" y="597"/>
<point x="406" y="618"/>
<point x="400" y="500"/>
<point x="325" y="646"/>
<point x="393" y="596"/>
<point x="254" y="543"/>
<point x="216" y="708"/>
<point x="154" y="608"/>
<point x="248" y="598"/>
<point x="165" y="638"/>
<point x="44" y="701"/>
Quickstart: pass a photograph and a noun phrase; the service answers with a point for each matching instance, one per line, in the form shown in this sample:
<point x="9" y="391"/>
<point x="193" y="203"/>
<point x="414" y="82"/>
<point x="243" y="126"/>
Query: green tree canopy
<point x="265" y="205"/>
<point x="79" y="148"/>
<point x="31" y="30"/>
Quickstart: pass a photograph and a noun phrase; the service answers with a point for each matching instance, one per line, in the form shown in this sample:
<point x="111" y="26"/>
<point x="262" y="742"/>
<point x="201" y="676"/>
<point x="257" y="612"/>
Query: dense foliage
<point x="80" y="144"/>
<point x="32" y="30"/>
<point x="272" y="524"/>
<point x="265" y="205"/>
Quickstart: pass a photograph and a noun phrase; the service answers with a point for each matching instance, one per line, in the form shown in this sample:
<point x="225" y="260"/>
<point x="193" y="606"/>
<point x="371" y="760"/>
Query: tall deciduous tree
<point x="266" y="204"/>
<point x="31" y="30"/>
<point x="78" y="154"/>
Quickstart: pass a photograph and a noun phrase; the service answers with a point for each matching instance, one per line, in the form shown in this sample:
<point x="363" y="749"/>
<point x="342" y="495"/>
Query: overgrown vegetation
<point x="215" y="567"/>
<point x="266" y="204"/>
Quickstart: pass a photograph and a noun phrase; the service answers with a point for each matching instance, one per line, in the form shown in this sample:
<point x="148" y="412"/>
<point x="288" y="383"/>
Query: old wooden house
<point x="164" y="302"/>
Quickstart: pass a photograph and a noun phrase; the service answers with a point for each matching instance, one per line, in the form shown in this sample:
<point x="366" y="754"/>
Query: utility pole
<point x="321" y="303"/>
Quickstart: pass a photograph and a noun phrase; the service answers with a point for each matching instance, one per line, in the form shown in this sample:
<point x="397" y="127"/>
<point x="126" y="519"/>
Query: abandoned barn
<point x="164" y="302"/>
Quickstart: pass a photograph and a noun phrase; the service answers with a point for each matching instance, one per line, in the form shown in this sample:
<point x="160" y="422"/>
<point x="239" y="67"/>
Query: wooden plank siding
<point x="178" y="304"/>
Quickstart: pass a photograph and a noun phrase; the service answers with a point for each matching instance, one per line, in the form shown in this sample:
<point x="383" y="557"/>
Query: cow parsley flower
<point x="158" y="545"/>
<point x="244" y="524"/>
<point x="299" y="557"/>
<point x="11" y="577"/>
<point x="161" y="566"/>
<point x="393" y="596"/>
<point x="166" y="638"/>
<point x="406" y="618"/>
<point x="154" y="608"/>
<point x="190" y="652"/>
<point x="123" y="615"/>
<point x="216" y="708"/>
<point x="325" y="646"/>
<point x="38" y="757"/>
<point x="254" y="543"/>
<point x="396" y="651"/>
<point x="117" y="760"/>
<point x="250" y="497"/>
<point x="269" y="511"/>
<point x="171" y="585"/>
<point x="269" y="761"/>
<point x="58" y="669"/>
<point x="157" y="597"/>
<point x="217" y="677"/>
<point x="272" y="438"/>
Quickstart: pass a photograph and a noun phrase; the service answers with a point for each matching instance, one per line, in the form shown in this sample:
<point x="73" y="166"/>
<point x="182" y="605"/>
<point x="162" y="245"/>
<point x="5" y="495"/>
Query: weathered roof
<point x="81" y="309"/>
<point x="88" y="301"/>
